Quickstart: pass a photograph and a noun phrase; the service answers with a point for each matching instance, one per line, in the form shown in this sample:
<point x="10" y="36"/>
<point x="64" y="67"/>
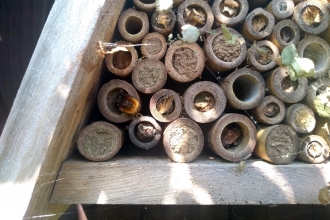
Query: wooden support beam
<point x="151" y="180"/>
<point x="53" y="101"/>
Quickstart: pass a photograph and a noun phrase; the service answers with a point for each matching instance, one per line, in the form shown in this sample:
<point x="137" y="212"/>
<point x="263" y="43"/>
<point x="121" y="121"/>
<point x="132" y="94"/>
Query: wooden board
<point x="54" y="99"/>
<point x="150" y="180"/>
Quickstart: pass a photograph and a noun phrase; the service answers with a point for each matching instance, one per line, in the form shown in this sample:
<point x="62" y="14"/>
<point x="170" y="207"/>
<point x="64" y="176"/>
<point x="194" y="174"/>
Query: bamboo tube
<point x="262" y="55"/>
<point x="159" y="27"/>
<point x="278" y="144"/>
<point x="147" y="6"/>
<point x="313" y="149"/>
<point x="100" y="141"/>
<point x="183" y="140"/>
<point x="233" y="17"/>
<point x="300" y="118"/>
<point x="233" y="137"/>
<point x="122" y="62"/>
<point x="258" y="24"/>
<point x="184" y="62"/>
<point x="144" y="132"/>
<point x="270" y="111"/>
<point x="204" y="101"/>
<point x="197" y="13"/>
<point x="281" y="9"/>
<point x="311" y="16"/>
<point x="133" y="25"/>
<point x="280" y="85"/>
<point x="244" y="88"/>
<point x="154" y="46"/>
<point x="285" y="32"/>
<point x="165" y="105"/>
<point x="318" y="50"/>
<point x="118" y="101"/>
<point x="318" y="96"/>
<point x="221" y="55"/>
<point x="149" y="76"/>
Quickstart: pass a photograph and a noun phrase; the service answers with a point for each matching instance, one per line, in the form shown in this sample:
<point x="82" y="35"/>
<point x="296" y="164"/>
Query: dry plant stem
<point x="311" y="16"/>
<point x="262" y="55"/>
<point x="285" y="32"/>
<point x="149" y="76"/>
<point x="235" y="53"/>
<point x="278" y="144"/>
<point x="199" y="5"/>
<point x="165" y="105"/>
<point x="121" y="63"/>
<point x="281" y="9"/>
<point x="313" y="90"/>
<point x="258" y="24"/>
<point x="313" y="149"/>
<point x="108" y="97"/>
<point x="244" y="88"/>
<point x="145" y="6"/>
<point x="220" y="18"/>
<point x="183" y="140"/>
<point x="322" y="128"/>
<point x="184" y="62"/>
<point x="318" y="50"/>
<point x="157" y="27"/>
<point x="204" y="101"/>
<point x="100" y="141"/>
<point x="245" y="139"/>
<point x="144" y="132"/>
<point x="154" y="46"/>
<point x="279" y="84"/>
<point x="270" y="111"/>
<point x="300" y="118"/>
<point x="133" y="25"/>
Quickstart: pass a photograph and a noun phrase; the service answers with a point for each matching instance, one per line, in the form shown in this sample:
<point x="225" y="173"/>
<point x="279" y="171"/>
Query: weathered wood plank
<point x="139" y="180"/>
<point x="52" y="104"/>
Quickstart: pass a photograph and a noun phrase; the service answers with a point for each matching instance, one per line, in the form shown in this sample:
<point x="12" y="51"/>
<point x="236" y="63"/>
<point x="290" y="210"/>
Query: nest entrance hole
<point x="289" y="85"/>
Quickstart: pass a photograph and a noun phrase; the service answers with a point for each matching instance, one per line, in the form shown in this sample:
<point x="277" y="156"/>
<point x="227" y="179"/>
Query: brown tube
<point x="100" y="141"/>
<point x="311" y="16"/>
<point x="230" y="18"/>
<point x="144" y="132"/>
<point x="204" y="101"/>
<point x="165" y="105"/>
<point x="233" y="137"/>
<point x="278" y="144"/>
<point x="154" y="46"/>
<point x="121" y="63"/>
<point x="258" y="24"/>
<point x="280" y="85"/>
<point x="281" y="9"/>
<point x="244" y="88"/>
<point x="147" y="6"/>
<point x="197" y="13"/>
<point x="184" y="62"/>
<point x="149" y="76"/>
<point x="262" y="55"/>
<point x="285" y="32"/>
<point x="318" y="50"/>
<point x="270" y="111"/>
<point x="221" y="55"/>
<point x="300" y="118"/>
<point x="133" y="25"/>
<point x="313" y="149"/>
<point x="163" y="22"/>
<point x="183" y="140"/>
<point x="322" y="128"/>
<point x="116" y="101"/>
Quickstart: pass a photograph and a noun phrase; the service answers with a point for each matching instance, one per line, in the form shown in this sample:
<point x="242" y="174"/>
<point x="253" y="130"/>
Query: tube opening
<point x="230" y="9"/>
<point x="259" y="23"/>
<point x="195" y="15"/>
<point x="234" y="137"/>
<point x="121" y="59"/>
<point x="165" y="105"/>
<point x="114" y="98"/>
<point x="204" y="101"/>
<point x="147" y="1"/>
<point x="264" y="55"/>
<point x="289" y="85"/>
<point x="245" y="88"/>
<point x="271" y="110"/>
<point x="282" y="6"/>
<point x="145" y="132"/>
<point x="312" y="16"/>
<point x="287" y="34"/>
<point x="314" y="149"/>
<point x="317" y="53"/>
<point x="133" y="25"/>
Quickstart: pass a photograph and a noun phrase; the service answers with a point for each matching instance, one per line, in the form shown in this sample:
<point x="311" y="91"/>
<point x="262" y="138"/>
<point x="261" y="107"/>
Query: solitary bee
<point x="127" y="103"/>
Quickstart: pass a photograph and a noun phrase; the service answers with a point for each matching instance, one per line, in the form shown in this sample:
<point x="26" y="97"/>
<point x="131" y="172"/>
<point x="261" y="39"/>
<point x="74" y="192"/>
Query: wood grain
<point x="52" y="103"/>
<point x="141" y="180"/>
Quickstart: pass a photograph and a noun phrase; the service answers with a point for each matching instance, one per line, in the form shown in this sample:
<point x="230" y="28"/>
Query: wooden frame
<point x="54" y="102"/>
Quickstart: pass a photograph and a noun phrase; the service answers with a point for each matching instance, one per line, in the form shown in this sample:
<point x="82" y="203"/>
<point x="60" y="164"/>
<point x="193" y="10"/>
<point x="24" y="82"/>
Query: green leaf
<point x="288" y="54"/>
<point x="230" y="38"/>
<point x="303" y="67"/>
